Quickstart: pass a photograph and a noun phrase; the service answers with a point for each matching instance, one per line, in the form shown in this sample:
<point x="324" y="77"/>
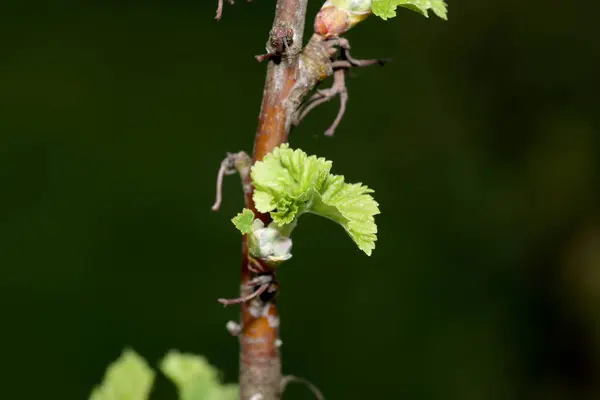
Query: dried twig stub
<point x="323" y="96"/>
<point x="340" y="67"/>
<point x="232" y="163"/>
<point x="220" y="8"/>
<point x="291" y="378"/>
<point x="281" y="39"/>
<point x="263" y="282"/>
<point x="227" y="168"/>
<point x="244" y="299"/>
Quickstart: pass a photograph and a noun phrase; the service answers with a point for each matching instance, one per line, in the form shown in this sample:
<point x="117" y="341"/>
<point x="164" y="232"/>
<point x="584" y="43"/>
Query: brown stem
<point x="260" y="363"/>
<point x="291" y="74"/>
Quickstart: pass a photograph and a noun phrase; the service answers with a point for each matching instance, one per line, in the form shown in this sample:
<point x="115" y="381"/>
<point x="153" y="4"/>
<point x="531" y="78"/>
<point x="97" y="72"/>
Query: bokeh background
<point x="481" y="140"/>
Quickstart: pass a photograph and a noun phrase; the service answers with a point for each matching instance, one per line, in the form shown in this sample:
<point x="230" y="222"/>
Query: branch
<point x="274" y="122"/>
<point x="260" y="363"/>
<point x="292" y="73"/>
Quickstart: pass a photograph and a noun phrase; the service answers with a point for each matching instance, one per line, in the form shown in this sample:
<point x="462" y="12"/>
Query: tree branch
<point x="260" y="363"/>
<point x="291" y="74"/>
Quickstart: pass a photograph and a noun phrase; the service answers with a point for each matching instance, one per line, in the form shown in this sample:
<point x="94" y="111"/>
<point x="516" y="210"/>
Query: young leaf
<point x="243" y="221"/>
<point x="285" y="180"/>
<point x="195" y="378"/>
<point x="351" y="206"/>
<point x="289" y="183"/>
<point x="387" y="8"/>
<point x="128" y="378"/>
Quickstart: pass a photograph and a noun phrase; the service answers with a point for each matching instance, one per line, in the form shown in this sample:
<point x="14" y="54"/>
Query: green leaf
<point x="263" y="201"/>
<point x="128" y="378"/>
<point x="351" y="206"/>
<point x="195" y="378"/>
<point x="243" y="221"/>
<point x="284" y="180"/>
<point x="289" y="183"/>
<point x="387" y="8"/>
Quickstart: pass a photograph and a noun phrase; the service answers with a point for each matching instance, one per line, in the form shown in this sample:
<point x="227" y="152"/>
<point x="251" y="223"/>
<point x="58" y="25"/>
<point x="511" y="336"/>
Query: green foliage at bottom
<point x="131" y="378"/>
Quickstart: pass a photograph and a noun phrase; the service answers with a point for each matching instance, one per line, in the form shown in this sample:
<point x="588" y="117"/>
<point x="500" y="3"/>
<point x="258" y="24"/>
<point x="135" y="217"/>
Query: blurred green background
<point x="481" y="140"/>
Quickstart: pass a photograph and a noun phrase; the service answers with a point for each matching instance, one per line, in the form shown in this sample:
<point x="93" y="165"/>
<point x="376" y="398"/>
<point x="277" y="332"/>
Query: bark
<point x="291" y="75"/>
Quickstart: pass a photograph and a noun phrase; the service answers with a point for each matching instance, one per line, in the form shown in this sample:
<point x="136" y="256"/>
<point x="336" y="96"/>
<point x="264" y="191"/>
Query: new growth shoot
<point x="289" y="183"/>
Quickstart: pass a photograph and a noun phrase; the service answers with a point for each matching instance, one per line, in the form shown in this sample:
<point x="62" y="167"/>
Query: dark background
<point x="481" y="140"/>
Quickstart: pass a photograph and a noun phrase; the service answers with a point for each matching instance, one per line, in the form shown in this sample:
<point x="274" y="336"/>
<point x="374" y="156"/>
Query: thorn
<point x="291" y="378"/>
<point x="278" y="343"/>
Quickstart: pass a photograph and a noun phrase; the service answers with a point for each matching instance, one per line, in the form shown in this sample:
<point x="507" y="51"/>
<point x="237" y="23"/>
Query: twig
<point x="291" y="74"/>
<point x="220" y="8"/>
<point x="260" y="362"/>
<point x="344" y="45"/>
<point x="291" y="378"/>
<point x="232" y="163"/>
<point x="343" y="92"/>
<point x="227" y="168"/>
<point x="239" y="300"/>
<point x="340" y="67"/>
<point x="323" y="96"/>
<point x="261" y="280"/>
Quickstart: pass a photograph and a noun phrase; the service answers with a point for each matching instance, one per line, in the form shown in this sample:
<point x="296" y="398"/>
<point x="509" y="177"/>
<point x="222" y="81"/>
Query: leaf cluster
<point x="288" y="183"/>
<point x="131" y="378"/>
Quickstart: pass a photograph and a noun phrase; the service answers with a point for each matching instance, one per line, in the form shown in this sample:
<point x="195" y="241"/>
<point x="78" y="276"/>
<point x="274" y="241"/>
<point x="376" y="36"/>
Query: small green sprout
<point x="243" y="221"/>
<point x="267" y="243"/>
<point x="288" y="183"/>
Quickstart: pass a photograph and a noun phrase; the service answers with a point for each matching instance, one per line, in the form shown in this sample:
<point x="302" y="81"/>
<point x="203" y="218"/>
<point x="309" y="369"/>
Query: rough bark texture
<point x="291" y="75"/>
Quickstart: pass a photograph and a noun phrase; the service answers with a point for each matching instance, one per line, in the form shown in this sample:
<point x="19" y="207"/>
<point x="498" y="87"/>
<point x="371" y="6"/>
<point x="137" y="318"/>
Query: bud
<point x="338" y="16"/>
<point x="269" y="244"/>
